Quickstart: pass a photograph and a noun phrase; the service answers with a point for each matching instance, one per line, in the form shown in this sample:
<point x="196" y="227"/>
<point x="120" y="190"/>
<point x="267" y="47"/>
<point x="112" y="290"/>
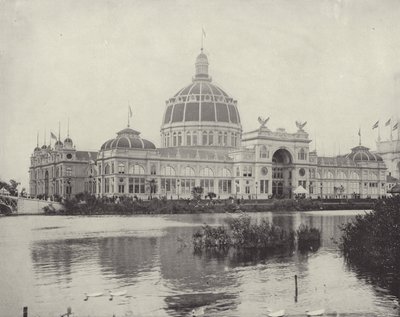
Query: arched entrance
<point x="282" y="165"/>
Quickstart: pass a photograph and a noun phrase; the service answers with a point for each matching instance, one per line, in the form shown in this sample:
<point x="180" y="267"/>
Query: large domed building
<point x="203" y="145"/>
<point x="201" y="114"/>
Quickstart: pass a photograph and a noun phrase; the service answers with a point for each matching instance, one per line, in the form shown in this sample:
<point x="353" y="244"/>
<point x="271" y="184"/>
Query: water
<point x="48" y="263"/>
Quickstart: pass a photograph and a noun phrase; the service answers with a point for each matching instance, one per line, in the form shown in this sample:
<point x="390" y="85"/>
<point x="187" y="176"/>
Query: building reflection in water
<point x="164" y="273"/>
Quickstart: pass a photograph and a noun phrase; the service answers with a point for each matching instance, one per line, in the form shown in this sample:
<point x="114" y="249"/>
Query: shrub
<point x="308" y="238"/>
<point x="372" y="240"/>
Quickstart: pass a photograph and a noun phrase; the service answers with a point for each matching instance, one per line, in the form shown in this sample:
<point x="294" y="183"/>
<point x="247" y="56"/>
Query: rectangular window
<point x="264" y="186"/>
<point x="121" y="189"/>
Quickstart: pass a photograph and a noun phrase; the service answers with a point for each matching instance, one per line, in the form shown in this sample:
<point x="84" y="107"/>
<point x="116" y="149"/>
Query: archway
<point x="282" y="165"/>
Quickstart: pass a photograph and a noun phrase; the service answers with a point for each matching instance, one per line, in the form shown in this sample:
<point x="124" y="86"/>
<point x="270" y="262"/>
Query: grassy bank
<point x="85" y="204"/>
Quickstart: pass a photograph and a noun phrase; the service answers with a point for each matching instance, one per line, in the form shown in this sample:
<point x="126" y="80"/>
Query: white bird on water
<point x="318" y="312"/>
<point x="92" y="295"/>
<point x="278" y="313"/>
<point x="199" y="311"/>
<point x="116" y="294"/>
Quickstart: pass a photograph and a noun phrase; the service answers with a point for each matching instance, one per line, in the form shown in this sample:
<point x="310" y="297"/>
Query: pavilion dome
<point x="201" y="103"/>
<point x="362" y="154"/>
<point x="128" y="139"/>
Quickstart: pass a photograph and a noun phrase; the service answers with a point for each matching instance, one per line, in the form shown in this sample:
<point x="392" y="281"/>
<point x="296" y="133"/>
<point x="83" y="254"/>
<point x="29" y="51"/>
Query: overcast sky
<point x="334" y="64"/>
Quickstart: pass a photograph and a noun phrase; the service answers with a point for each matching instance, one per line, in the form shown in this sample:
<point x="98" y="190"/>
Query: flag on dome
<point x="130" y="111"/>
<point x="396" y="126"/>
<point x="375" y="125"/>
<point x="53" y="136"/>
<point x="387" y="123"/>
<point x="204" y="32"/>
<point x="359" y="132"/>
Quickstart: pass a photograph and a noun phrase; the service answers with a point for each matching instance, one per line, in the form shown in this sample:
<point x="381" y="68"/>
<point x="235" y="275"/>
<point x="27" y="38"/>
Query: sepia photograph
<point x="199" y="158"/>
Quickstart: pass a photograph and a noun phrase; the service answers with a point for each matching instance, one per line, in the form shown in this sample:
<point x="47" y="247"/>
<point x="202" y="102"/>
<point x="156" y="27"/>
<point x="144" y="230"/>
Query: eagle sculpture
<point x="262" y="122"/>
<point x="300" y="125"/>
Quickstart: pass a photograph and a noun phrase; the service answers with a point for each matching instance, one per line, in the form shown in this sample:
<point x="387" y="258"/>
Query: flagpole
<point x="391" y="134"/>
<point x="59" y="127"/>
<point x="128" y="116"/>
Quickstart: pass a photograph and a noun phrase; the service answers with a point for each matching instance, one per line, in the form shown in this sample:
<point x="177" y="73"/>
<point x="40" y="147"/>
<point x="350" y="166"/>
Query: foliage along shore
<point x="372" y="240"/>
<point x="85" y="204"/>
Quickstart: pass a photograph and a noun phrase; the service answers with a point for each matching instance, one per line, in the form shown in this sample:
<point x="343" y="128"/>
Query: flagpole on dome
<point x="59" y="128"/>
<point x="129" y="114"/>
<point x="203" y="36"/>
<point x="359" y="136"/>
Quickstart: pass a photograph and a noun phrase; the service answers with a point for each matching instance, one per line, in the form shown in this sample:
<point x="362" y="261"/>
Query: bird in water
<point x="92" y="295"/>
<point x="198" y="312"/>
<point x="116" y="294"/>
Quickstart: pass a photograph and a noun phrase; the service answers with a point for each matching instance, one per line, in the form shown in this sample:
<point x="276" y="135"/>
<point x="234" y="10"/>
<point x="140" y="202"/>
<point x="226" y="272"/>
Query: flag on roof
<point x="396" y="126"/>
<point x="375" y="125"/>
<point x="53" y="136"/>
<point x="387" y="123"/>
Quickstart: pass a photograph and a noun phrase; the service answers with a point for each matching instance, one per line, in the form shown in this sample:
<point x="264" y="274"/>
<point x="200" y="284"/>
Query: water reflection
<point x="164" y="276"/>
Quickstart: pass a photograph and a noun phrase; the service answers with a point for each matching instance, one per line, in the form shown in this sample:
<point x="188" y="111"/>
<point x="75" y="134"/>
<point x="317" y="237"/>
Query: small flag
<point x="53" y="136"/>
<point x="359" y="132"/>
<point x="130" y="112"/>
<point x="395" y="126"/>
<point x="375" y="125"/>
<point x="204" y="32"/>
<point x="387" y="123"/>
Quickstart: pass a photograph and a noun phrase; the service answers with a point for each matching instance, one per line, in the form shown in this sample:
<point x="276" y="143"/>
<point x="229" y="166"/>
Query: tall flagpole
<point x="37" y="139"/>
<point x="68" y="129"/>
<point x="128" y="115"/>
<point x="59" y="127"/>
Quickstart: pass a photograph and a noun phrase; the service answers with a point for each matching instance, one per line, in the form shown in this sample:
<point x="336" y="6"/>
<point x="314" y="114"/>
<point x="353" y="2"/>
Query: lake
<point x="49" y="262"/>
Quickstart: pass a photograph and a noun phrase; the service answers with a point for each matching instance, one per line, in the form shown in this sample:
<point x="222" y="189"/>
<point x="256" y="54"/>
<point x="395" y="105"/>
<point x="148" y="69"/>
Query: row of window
<point x="206" y="138"/>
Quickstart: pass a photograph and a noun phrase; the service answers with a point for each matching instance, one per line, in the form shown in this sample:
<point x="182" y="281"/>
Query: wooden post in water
<point x="25" y="312"/>
<point x="295" y="290"/>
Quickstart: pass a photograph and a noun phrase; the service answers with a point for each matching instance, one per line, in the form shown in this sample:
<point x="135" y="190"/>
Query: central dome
<point x="201" y="108"/>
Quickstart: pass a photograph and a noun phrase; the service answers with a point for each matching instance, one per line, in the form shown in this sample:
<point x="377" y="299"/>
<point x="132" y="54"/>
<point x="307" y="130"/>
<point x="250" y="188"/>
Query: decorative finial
<point x="262" y="122"/>
<point x="300" y="125"/>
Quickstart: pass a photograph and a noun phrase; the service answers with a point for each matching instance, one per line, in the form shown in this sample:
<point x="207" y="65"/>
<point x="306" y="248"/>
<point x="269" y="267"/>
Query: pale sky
<point x="334" y="64"/>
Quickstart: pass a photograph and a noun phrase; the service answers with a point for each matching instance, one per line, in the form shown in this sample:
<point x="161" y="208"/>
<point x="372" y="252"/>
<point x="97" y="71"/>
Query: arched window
<point x="354" y="175"/>
<point x="211" y="138"/>
<point x="136" y="169"/>
<point x="225" y="172"/>
<point x="194" y="140"/>
<point x="226" y="138"/>
<point x="153" y="170"/>
<point x="167" y="140"/>
<point x="232" y="139"/>
<point x="175" y="139"/>
<point x="329" y="175"/>
<point x="302" y="155"/>
<point x="237" y="171"/>
<point x="169" y="171"/>
<point x="107" y="169"/>
<point x="121" y="168"/>
<point x="205" y="137"/>
<point x="179" y="138"/>
<point x="341" y="175"/>
<point x="68" y="171"/>
<point x="188" y="138"/>
<point x="220" y="138"/>
<point x="207" y="172"/>
<point x="188" y="171"/>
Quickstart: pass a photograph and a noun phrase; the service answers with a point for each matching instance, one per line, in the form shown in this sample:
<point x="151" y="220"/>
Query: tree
<point x="197" y="191"/>
<point x="11" y="187"/>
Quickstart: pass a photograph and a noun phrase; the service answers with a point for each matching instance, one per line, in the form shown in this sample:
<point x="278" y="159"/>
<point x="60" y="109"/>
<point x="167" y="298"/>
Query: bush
<point x="308" y="238"/>
<point x="242" y="233"/>
<point x="372" y="240"/>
